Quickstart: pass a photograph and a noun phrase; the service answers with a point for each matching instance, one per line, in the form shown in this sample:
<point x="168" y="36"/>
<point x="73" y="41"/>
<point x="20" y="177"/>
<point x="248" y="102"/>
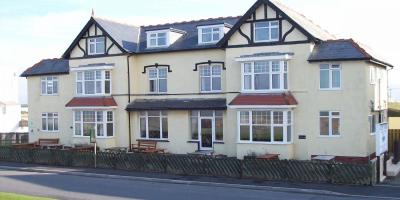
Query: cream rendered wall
<point x="394" y="122"/>
<point x="119" y="90"/>
<point x="304" y="84"/>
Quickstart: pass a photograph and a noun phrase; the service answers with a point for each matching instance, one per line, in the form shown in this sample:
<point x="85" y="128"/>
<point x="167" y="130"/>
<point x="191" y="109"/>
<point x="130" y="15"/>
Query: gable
<point x="93" y="29"/>
<point x="293" y="27"/>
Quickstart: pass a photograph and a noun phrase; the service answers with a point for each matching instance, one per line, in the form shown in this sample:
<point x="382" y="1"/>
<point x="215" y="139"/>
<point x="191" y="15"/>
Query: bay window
<point x="210" y="78"/>
<point x="158" y="79"/>
<point x="89" y="122"/>
<point x="93" y="82"/>
<point x="265" y="75"/>
<point x="153" y="124"/>
<point x="266" y="126"/>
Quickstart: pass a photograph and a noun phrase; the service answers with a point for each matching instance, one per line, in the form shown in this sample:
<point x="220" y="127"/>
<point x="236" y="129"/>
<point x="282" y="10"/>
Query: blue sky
<point x="33" y="30"/>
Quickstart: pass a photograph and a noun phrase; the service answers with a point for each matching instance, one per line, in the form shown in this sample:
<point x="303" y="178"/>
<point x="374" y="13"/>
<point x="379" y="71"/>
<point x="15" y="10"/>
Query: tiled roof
<point x="92" y="102"/>
<point x="177" y="104"/>
<point x="48" y="67"/>
<point x="280" y="99"/>
<point x="314" y="29"/>
<point x="189" y="40"/>
<point x="125" y="35"/>
<point x="343" y="49"/>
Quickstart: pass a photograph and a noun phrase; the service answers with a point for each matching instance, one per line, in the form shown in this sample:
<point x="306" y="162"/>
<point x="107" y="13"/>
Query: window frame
<point x="163" y="114"/>
<point x="269" y="27"/>
<point x="45" y="115"/>
<point x="44" y="80"/>
<point x="330" y="70"/>
<point x="104" y="122"/>
<point x="103" y="81"/>
<point x="284" y="125"/>
<point x="221" y="33"/>
<point x="95" y="43"/>
<point x="157" y="37"/>
<point x="211" y="76"/>
<point x="372" y="123"/>
<point x="157" y="79"/>
<point x="330" y="129"/>
<point x="282" y="72"/>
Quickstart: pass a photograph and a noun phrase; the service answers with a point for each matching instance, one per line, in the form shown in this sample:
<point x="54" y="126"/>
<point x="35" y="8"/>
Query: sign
<point x="92" y="136"/>
<point x="381" y="138"/>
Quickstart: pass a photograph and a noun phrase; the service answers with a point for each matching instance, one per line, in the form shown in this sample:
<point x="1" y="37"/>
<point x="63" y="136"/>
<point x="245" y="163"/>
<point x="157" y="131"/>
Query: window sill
<point x="47" y="95"/>
<point x="330" y="89"/>
<point x="265" y="91"/>
<point x="156" y="140"/>
<point x="265" y="41"/>
<point x="266" y="143"/>
<point x="211" y="92"/>
<point x="196" y="141"/>
<point x="329" y="136"/>
<point x="100" y="138"/>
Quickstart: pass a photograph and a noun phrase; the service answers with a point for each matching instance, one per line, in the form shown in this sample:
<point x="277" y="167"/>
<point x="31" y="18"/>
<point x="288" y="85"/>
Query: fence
<point x="394" y="135"/>
<point x="279" y="170"/>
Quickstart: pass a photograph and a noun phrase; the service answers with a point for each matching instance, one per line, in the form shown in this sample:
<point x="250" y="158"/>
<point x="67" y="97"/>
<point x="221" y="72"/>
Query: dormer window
<point x="210" y="34"/>
<point x="266" y="31"/>
<point x="96" y="46"/>
<point x="157" y="39"/>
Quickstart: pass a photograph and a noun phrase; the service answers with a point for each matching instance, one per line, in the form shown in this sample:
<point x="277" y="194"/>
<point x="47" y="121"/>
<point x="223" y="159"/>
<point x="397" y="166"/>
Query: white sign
<point x="381" y="138"/>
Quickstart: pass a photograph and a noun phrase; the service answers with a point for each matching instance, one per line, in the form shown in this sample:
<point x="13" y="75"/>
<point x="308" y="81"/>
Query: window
<point x="329" y="123"/>
<point x="210" y="78"/>
<point x="372" y="75"/>
<point x="265" y="75"/>
<point x="153" y="125"/>
<point x="50" y="122"/>
<point x="330" y="76"/>
<point x="100" y="123"/>
<point x="210" y="34"/>
<point x="93" y="82"/>
<point x="157" y="39"/>
<point x="49" y="85"/>
<point x="266" y="31"/>
<point x="217" y="124"/>
<point x="372" y="124"/>
<point x="265" y="126"/>
<point x="158" y="79"/>
<point x="96" y="46"/>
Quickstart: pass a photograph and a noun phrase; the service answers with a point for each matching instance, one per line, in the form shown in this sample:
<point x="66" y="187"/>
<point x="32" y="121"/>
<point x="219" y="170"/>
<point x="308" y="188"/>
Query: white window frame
<point x="146" y="117"/>
<point x="331" y="69"/>
<point x="330" y="117"/>
<point x="94" y="41"/>
<point x="282" y="65"/>
<point x="49" y="82"/>
<point x="285" y="124"/>
<point x="270" y="27"/>
<point x="45" y="115"/>
<point x="156" y="33"/>
<point x="157" y="79"/>
<point x="80" y="78"/>
<point x="104" y="122"/>
<point x="221" y="33"/>
<point x="211" y="76"/>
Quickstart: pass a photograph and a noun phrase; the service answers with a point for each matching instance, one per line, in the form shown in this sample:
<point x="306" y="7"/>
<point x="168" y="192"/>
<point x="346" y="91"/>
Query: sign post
<point x="381" y="147"/>
<point x="93" y="141"/>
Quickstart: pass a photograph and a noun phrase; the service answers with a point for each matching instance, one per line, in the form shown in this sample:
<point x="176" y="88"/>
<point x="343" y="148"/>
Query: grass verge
<point x="11" y="196"/>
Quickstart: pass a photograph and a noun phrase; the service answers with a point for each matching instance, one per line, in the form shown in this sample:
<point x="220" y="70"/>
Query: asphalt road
<point x="62" y="186"/>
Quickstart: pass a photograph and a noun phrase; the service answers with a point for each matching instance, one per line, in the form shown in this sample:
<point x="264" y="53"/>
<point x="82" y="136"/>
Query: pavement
<point x="80" y="183"/>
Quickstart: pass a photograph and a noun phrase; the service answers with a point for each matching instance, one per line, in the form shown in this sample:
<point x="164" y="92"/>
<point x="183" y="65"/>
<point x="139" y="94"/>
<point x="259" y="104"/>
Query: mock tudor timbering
<point x="267" y="82"/>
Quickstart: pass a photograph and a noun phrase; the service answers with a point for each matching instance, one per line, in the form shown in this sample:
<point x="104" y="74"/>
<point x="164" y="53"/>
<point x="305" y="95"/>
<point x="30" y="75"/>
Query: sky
<point x="34" y="30"/>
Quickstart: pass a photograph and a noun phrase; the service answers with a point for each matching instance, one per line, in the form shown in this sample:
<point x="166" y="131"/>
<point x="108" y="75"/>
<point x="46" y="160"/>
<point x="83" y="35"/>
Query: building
<point x="267" y="82"/>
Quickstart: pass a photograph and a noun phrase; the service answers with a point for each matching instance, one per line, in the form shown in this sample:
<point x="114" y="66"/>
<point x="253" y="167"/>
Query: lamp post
<point x="93" y="141"/>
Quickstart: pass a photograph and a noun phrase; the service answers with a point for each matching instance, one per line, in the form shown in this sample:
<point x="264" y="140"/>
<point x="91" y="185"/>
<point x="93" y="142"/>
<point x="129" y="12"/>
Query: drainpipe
<point x="129" y="101"/>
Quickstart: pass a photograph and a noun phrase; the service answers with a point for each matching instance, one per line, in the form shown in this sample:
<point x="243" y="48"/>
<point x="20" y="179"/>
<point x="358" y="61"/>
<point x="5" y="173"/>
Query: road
<point x="61" y="186"/>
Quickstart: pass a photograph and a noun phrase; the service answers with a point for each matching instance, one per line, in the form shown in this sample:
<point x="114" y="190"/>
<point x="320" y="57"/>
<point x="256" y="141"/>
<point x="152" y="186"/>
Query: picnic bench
<point x="269" y="157"/>
<point x="146" y="146"/>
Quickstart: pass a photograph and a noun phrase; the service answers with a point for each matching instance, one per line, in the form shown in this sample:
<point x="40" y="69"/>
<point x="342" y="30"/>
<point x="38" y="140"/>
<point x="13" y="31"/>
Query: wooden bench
<point x="49" y="143"/>
<point x="146" y="146"/>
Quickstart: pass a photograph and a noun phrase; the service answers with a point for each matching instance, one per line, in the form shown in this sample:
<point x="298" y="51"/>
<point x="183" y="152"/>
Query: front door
<point x="206" y="134"/>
